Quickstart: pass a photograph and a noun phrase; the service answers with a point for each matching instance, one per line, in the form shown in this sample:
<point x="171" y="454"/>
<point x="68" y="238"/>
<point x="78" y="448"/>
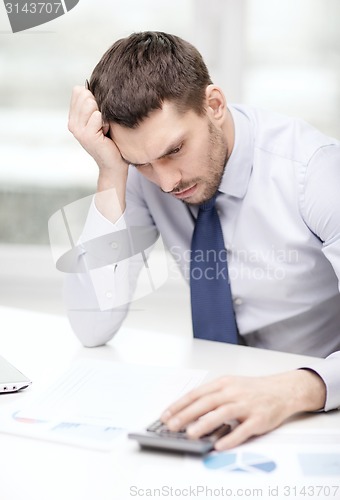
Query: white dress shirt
<point x="280" y="212"/>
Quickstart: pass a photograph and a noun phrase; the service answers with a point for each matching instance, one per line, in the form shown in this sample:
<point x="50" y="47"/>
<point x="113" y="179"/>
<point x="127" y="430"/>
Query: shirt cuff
<point x="329" y="370"/>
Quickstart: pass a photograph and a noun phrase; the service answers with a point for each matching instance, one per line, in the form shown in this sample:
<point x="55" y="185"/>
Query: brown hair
<point x="141" y="71"/>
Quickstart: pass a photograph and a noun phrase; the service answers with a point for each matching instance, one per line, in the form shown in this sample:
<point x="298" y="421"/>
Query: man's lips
<point x="185" y="193"/>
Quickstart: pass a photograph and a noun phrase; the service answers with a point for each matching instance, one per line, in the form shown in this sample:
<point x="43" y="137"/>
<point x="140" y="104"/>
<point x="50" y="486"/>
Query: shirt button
<point x="114" y="245"/>
<point x="108" y="295"/>
<point x="238" y="301"/>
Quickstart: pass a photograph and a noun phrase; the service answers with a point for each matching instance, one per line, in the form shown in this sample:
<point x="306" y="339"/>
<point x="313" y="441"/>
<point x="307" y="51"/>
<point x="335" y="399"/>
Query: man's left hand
<point x="260" y="404"/>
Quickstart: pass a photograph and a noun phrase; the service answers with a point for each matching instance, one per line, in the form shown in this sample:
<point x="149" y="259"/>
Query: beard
<point x="217" y="158"/>
<point x="214" y="165"/>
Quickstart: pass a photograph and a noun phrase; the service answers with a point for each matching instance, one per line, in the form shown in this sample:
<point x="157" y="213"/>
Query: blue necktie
<point x="212" y="310"/>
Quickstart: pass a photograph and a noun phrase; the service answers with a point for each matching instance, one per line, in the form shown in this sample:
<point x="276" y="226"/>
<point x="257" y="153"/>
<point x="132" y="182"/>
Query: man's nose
<point x="167" y="177"/>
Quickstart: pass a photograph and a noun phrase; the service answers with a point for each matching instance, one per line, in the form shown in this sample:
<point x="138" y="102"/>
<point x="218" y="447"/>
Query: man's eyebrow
<point x="167" y="151"/>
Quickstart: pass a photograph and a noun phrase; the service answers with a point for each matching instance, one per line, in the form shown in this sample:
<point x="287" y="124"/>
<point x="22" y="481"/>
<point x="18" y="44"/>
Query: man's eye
<point x="140" y="165"/>
<point x="176" y="150"/>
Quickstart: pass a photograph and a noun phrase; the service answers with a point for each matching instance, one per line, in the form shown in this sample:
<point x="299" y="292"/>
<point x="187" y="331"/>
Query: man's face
<point x="184" y="154"/>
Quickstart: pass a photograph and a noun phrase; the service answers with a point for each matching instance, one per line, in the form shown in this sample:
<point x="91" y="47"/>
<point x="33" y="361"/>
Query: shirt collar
<point x="239" y="166"/>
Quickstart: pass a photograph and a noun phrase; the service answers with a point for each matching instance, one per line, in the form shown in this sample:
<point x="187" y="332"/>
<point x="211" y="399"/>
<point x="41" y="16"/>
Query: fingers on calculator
<point x="157" y="435"/>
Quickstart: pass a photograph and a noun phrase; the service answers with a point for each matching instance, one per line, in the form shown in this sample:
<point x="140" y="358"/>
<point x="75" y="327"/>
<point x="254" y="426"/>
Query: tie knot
<point x="208" y="205"/>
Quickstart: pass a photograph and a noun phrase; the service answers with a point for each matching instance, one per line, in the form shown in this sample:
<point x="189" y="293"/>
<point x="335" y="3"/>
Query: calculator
<point x="157" y="435"/>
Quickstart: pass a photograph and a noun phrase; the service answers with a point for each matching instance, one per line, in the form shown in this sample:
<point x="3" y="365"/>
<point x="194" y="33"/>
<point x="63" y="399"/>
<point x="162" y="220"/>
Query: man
<point x="152" y="109"/>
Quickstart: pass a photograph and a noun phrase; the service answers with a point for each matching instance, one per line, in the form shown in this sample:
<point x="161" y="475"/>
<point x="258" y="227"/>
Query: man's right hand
<point x="85" y="123"/>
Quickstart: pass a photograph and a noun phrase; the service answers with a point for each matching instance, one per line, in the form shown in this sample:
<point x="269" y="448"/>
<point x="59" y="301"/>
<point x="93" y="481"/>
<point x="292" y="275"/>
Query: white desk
<point x="44" y="346"/>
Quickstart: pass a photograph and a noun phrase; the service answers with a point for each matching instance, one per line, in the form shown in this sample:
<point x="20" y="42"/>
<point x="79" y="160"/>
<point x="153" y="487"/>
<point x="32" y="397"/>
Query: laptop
<point x="11" y="380"/>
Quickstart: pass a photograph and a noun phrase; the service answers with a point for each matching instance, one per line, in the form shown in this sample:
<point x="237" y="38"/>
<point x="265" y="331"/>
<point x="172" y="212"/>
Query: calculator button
<point x="155" y="426"/>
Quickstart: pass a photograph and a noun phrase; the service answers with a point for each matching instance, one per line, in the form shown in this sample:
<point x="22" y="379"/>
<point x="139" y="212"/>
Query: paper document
<point x="95" y="401"/>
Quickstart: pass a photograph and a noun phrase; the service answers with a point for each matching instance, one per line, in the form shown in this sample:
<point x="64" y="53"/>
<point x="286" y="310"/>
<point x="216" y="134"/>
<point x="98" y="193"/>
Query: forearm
<point x="111" y="194"/>
<point x="97" y="297"/>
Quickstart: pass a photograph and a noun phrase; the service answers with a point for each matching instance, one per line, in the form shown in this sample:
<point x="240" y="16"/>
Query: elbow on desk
<point x="90" y="329"/>
<point x="92" y="326"/>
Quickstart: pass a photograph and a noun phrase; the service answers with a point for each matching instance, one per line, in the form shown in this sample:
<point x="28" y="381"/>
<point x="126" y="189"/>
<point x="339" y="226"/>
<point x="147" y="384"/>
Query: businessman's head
<point x="165" y="115"/>
<point x="138" y="73"/>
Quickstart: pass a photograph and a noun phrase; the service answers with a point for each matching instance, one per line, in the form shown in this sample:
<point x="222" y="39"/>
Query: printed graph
<point x="240" y="462"/>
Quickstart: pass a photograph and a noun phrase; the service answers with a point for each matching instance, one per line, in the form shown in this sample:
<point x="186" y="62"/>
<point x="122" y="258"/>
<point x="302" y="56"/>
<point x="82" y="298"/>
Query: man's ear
<point x="216" y="104"/>
<point x="106" y="129"/>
